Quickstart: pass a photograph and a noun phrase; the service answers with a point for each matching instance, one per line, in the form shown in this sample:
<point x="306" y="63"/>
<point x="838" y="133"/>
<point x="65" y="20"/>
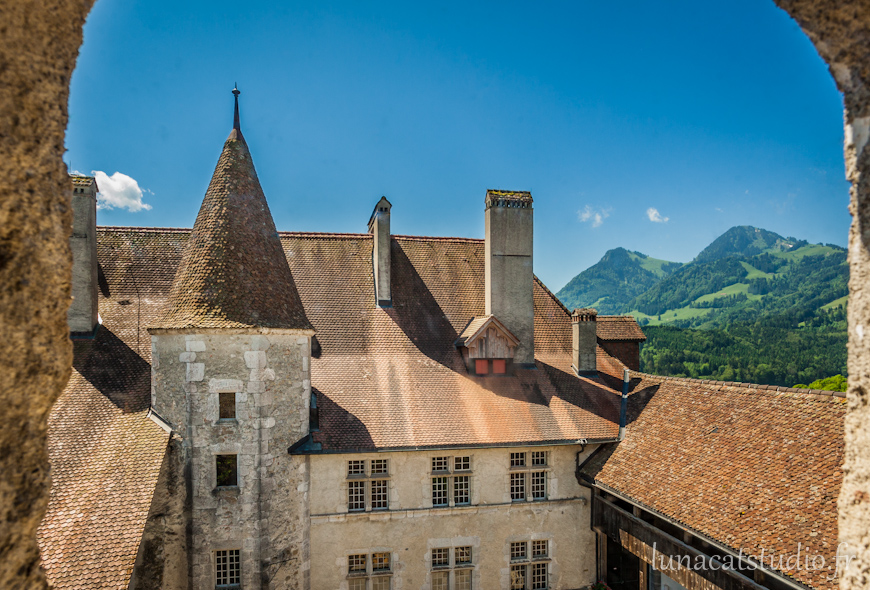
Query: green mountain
<point x="752" y="306"/>
<point x="615" y="280"/>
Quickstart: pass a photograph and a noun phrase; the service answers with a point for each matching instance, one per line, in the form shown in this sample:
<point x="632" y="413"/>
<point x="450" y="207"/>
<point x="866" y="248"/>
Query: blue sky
<point x="654" y="126"/>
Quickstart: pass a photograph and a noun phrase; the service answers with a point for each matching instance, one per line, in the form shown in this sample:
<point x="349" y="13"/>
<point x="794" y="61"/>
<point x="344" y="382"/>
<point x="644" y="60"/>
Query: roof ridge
<point x="777" y="388"/>
<point x="143" y="229"/>
<point x="550" y="293"/>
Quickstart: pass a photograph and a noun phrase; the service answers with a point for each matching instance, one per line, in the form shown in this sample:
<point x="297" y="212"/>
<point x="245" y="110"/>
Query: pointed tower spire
<point x="236" y="92"/>
<point x="234" y="273"/>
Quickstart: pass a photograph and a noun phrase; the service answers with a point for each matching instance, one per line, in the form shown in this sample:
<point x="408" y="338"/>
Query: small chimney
<point x="82" y="316"/>
<point x="379" y="225"/>
<point x="508" y="262"/>
<point x="584" y="340"/>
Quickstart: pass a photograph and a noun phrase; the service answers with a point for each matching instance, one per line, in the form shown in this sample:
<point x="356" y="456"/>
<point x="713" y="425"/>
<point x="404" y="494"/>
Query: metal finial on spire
<point x="236" y="93"/>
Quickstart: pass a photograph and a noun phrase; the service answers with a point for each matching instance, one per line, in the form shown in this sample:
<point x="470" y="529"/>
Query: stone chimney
<point x="584" y="340"/>
<point x="379" y="226"/>
<point x="509" y="274"/>
<point x="82" y="315"/>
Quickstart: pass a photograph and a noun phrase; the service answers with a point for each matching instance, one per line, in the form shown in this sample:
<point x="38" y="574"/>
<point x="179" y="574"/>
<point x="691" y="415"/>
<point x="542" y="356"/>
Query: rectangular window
<point x="227" y="402"/>
<point x="463" y="579"/>
<point x="539" y="576"/>
<point x="228" y="571"/>
<point x="518" y="459"/>
<point x="380" y="494"/>
<point x="357" y="584"/>
<point x="539" y="458"/>
<point x="519" y="551"/>
<point x="226" y="467"/>
<point x="381" y="582"/>
<point x="441" y="557"/>
<point x="440" y="463"/>
<point x="518" y="487"/>
<point x="539" y="485"/>
<point x="539" y="549"/>
<point x="461" y="463"/>
<point x="463" y="555"/>
<point x="481" y="366"/>
<point x="440" y="580"/>
<point x="461" y="490"/>
<point x="356" y="564"/>
<point x="518" y="577"/>
<point x="356" y="496"/>
<point x="380" y="562"/>
<point x="439" y="491"/>
<point x="356" y="467"/>
<point x="380" y="466"/>
<point x="498" y="367"/>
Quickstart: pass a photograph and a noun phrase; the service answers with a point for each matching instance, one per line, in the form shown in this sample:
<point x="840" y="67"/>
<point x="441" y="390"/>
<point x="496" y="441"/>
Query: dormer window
<point x="487" y="347"/>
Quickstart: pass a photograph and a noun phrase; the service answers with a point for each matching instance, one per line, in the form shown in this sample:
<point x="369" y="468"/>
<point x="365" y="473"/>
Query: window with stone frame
<point x="226" y="469"/>
<point x="529" y="474"/>
<point x="369" y="571"/>
<point x="368" y="485"/>
<point x="227" y="403"/>
<point x="228" y="568"/>
<point x="530" y="569"/>
<point x="451" y="568"/>
<point x="451" y="480"/>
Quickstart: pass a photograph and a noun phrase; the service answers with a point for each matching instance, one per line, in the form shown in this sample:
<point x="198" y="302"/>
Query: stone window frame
<point x="362" y="471"/>
<point x="369" y="577"/>
<point x="458" y="468"/>
<point x="228" y="554"/>
<point x="529" y="471"/>
<point x="529" y="563"/>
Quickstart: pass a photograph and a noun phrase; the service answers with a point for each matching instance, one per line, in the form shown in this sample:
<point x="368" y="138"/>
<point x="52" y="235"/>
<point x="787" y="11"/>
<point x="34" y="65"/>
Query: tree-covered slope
<point x="747" y="241"/>
<point x="616" y="279"/>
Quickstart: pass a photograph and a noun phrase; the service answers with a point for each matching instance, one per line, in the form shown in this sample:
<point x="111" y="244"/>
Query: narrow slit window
<point x="226" y="467"/>
<point x="227" y="402"/>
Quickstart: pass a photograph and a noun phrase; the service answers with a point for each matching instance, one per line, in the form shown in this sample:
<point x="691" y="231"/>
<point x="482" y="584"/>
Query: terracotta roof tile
<point x="753" y="467"/>
<point x="618" y="327"/>
<point x="234" y="274"/>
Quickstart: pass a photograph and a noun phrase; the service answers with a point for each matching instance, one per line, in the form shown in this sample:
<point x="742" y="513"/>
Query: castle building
<point x="260" y="409"/>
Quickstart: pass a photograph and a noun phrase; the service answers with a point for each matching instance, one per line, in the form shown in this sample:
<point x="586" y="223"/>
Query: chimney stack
<point x="379" y="225"/>
<point x="82" y="315"/>
<point x="584" y="340"/>
<point x="509" y="274"/>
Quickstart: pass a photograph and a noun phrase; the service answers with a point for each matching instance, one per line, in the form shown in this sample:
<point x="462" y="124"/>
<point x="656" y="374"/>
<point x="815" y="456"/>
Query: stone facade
<point x="412" y="527"/>
<point x="264" y="516"/>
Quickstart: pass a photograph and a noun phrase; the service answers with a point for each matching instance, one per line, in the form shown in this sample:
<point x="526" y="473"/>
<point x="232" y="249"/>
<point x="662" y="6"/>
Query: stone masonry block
<point x="259" y="343"/>
<point x="255" y="359"/>
<point x="256" y="386"/>
<point x="187" y="357"/>
<point x="195" y="346"/>
<point x="195" y="372"/>
<point x="224" y="385"/>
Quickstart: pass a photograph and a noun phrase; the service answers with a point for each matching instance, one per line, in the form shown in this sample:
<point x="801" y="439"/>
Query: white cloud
<point x="119" y="191"/>
<point x="655" y="216"/>
<point x="596" y="216"/>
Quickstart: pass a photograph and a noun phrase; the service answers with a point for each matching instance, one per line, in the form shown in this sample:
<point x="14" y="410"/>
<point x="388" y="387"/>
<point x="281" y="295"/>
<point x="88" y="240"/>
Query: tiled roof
<point x="618" y="327"/>
<point x="105" y="453"/>
<point x="234" y="274"/>
<point x="752" y="467"/>
<point x="81" y="180"/>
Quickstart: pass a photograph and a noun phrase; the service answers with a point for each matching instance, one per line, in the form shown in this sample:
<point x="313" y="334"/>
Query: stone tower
<point x="82" y="315"/>
<point x="508" y="263"/>
<point x="231" y="378"/>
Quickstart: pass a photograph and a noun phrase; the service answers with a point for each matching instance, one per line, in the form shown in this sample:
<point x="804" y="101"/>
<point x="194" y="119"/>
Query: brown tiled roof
<point x="234" y="274"/>
<point x="105" y="453"/>
<point x="752" y="467"/>
<point x="618" y="327"/>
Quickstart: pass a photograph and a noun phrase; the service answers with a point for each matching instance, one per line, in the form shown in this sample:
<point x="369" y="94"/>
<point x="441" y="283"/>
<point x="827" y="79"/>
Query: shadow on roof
<point x="339" y="428"/>
<point x="115" y="370"/>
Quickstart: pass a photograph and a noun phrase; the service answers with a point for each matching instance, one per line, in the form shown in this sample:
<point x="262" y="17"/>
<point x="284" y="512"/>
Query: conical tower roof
<point x="234" y="272"/>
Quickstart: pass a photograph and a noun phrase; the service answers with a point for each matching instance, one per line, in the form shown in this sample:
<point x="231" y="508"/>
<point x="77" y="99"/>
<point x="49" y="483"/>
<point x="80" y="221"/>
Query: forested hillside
<point x="752" y="306"/>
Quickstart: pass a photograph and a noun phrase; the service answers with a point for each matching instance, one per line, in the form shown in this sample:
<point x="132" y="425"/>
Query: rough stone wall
<point x="39" y="44"/>
<point x="840" y="31"/>
<point x="411" y="528"/>
<point x="266" y="515"/>
<point x="627" y="352"/>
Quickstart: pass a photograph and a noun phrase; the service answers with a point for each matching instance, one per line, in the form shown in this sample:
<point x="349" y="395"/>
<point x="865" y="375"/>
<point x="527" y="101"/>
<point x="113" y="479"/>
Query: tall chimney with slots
<point x="509" y="274"/>
<point x="82" y="316"/>
<point x="379" y="226"/>
<point x="584" y="339"/>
